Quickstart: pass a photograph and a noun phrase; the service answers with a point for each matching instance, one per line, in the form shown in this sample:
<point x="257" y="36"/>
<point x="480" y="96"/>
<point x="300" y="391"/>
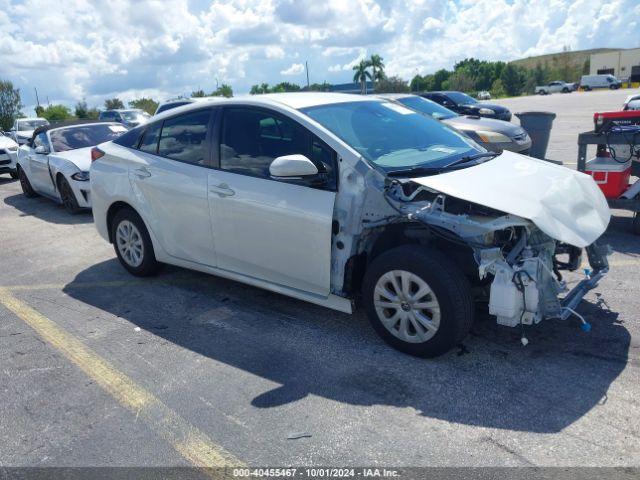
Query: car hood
<point x="565" y="204"/>
<point x="468" y="122"/>
<point x="6" y="142"/>
<point x="24" y="133"/>
<point x="80" y="157"/>
<point x="493" y="106"/>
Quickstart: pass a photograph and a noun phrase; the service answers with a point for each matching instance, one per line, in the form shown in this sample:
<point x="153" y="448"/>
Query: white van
<point x="589" y="82"/>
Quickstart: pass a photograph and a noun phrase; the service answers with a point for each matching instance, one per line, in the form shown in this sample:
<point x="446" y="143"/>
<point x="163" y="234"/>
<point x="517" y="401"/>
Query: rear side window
<point x="131" y="139"/>
<point x="149" y="142"/>
<point x="184" y="137"/>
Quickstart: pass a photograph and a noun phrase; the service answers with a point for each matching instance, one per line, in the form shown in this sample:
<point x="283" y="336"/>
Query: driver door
<point x="39" y="174"/>
<point x="265" y="228"/>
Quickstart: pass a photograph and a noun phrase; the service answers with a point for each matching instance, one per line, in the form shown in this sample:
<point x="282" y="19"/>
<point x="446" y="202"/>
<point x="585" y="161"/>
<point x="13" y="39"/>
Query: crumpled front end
<point x="519" y="265"/>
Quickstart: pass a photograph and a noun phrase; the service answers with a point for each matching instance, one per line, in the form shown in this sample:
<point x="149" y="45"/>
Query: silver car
<point x="495" y="135"/>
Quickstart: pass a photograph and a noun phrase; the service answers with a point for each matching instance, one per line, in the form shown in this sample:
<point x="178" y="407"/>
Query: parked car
<point x="484" y="95"/>
<point x="466" y="105"/>
<point x="589" y="82"/>
<point x="130" y="118"/>
<point x="557" y="86"/>
<point x="494" y="135"/>
<point x="23" y="128"/>
<point x="632" y="102"/>
<point x="8" y="153"/>
<point x="332" y="198"/>
<point x="55" y="162"/>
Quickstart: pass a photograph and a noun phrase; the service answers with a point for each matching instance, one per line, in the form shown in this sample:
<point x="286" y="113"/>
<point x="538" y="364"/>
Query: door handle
<point x="142" y="172"/>
<point x="222" y="190"/>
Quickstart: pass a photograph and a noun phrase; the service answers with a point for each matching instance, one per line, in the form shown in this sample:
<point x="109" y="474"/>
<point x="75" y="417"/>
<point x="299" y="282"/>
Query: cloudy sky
<point x="70" y="49"/>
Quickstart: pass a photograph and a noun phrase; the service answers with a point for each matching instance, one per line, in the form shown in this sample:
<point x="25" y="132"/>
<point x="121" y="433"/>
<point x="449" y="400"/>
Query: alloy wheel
<point x="129" y="243"/>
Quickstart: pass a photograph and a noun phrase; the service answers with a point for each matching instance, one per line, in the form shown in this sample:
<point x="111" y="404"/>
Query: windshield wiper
<point x="470" y="158"/>
<point x="414" y="171"/>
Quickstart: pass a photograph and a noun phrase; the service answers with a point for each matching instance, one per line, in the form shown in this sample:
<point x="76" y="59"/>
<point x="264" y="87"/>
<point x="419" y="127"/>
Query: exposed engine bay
<point x="519" y="264"/>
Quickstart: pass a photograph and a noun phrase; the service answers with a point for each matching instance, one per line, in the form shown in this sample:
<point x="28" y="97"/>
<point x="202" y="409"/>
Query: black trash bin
<point x="538" y="126"/>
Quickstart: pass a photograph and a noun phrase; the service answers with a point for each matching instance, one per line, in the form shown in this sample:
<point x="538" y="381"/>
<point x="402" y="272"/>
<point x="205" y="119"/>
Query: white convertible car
<point x="8" y="155"/>
<point x="343" y="200"/>
<point x="55" y="162"/>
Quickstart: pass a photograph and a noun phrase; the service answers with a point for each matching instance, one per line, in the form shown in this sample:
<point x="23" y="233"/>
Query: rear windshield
<point x="83" y="136"/>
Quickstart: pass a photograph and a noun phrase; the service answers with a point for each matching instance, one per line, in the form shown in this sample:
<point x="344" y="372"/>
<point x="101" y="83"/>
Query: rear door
<point x="169" y="179"/>
<point x="270" y="229"/>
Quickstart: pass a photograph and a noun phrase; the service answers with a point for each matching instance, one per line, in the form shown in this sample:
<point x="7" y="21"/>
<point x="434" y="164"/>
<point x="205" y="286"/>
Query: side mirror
<point x="289" y="166"/>
<point x="41" y="150"/>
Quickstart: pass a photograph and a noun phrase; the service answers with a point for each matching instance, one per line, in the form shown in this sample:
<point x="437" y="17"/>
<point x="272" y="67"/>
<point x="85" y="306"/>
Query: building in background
<point x="623" y="64"/>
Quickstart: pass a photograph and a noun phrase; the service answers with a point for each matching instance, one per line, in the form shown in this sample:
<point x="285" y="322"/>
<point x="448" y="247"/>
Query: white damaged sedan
<point x="8" y="154"/>
<point x="345" y="201"/>
<point x="55" y="162"/>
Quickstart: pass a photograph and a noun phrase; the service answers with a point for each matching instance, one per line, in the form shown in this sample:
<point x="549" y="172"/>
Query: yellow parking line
<point x="189" y="441"/>
<point x="103" y="284"/>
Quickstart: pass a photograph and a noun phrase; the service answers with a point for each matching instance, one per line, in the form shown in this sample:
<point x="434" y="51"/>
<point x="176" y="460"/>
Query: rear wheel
<point x="27" y="189"/>
<point x="418" y="301"/>
<point x="67" y="196"/>
<point x="565" y="90"/>
<point x="132" y="244"/>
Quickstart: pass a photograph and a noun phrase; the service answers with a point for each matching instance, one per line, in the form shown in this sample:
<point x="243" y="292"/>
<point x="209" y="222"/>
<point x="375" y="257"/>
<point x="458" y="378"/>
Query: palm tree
<point x="361" y="75"/>
<point x="377" y="66"/>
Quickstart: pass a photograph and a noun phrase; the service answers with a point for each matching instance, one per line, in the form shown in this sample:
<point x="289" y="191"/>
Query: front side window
<point x="251" y="139"/>
<point x="184" y="137"/>
<point x="84" y="136"/>
<point x="460" y="98"/>
<point x="41" y="141"/>
<point x="393" y="136"/>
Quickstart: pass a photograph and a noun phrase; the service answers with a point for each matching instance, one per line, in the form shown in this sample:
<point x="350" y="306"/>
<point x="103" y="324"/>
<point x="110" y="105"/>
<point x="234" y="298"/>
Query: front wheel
<point x="67" y="196"/>
<point x="27" y="189"/>
<point x="418" y="301"/>
<point x="133" y="245"/>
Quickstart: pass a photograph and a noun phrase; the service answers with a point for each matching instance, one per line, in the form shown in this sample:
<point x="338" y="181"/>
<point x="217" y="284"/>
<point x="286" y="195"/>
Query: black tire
<point x="541" y="92"/>
<point x="27" y="189"/>
<point x="67" y="196"/>
<point x="14" y="174"/>
<point x="565" y="90"/>
<point x="635" y="225"/>
<point x="149" y="265"/>
<point x="447" y="282"/>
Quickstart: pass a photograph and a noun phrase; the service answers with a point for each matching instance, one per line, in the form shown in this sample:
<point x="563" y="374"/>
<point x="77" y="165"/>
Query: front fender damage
<point x="519" y="262"/>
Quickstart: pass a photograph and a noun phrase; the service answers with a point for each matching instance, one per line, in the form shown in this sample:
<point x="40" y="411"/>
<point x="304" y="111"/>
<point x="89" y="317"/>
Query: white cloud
<point x="165" y="48"/>
<point x="294" y="69"/>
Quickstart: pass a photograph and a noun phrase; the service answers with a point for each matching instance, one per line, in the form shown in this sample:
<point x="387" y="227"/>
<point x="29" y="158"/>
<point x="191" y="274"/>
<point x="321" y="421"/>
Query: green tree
<point x="512" y="79"/>
<point x="320" y="87"/>
<point x="113" y="103"/>
<point x="439" y="78"/>
<point x="361" y="75"/>
<point x="149" y="105"/>
<point x="10" y="104"/>
<point x="258" y="89"/>
<point x="421" y="83"/>
<point x="198" y="93"/>
<point x="93" y="113"/>
<point x="223" y="90"/>
<point x="392" y="85"/>
<point x="56" y="113"/>
<point x="461" y="81"/>
<point x="376" y="62"/>
<point x="497" y="89"/>
<point x="39" y="110"/>
<point x="81" y="110"/>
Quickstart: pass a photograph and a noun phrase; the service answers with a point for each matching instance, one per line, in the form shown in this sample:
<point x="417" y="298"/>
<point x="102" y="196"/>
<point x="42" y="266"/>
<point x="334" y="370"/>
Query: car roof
<point x="294" y="100"/>
<point x="395" y="96"/>
<point x="122" y="110"/>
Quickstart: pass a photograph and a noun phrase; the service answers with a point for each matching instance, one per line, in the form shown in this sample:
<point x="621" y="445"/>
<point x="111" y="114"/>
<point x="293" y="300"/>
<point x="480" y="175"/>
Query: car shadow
<point x="47" y="210"/>
<point x="620" y="236"/>
<point x="5" y="178"/>
<point x="491" y="380"/>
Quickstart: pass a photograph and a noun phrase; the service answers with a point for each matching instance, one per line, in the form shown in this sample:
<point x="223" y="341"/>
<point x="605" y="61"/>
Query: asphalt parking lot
<point x="99" y="368"/>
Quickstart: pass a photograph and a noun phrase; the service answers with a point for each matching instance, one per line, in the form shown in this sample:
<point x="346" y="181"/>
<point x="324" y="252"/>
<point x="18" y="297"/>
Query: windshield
<point x="392" y="136"/>
<point x="84" y="136"/>
<point x="134" y="115"/>
<point x="428" y="107"/>
<point x="461" y="98"/>
<point x="30" y="124"/>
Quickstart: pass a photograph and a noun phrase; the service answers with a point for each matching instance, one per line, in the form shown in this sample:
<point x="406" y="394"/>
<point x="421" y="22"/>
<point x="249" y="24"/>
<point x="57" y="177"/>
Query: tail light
<point x="96" y="153"/>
